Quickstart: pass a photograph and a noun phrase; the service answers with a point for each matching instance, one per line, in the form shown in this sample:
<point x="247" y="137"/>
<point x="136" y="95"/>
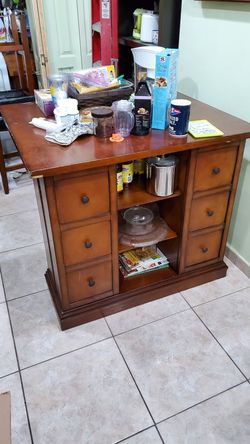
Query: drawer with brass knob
<point x="83" y="244"/>
<point x="82" y="197"/>
<point x="89" y="282"/>
<point x="215" y="168"/>
<point x="208" y="211"/>
<point x="203" y="247"/>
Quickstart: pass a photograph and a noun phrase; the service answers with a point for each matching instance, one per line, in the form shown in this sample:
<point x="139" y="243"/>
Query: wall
<point x="214" y="67"/>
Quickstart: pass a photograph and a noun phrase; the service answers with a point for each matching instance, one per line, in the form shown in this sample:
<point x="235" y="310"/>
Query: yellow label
<point x="119" y="182"/>
<point x="128" y="172"/>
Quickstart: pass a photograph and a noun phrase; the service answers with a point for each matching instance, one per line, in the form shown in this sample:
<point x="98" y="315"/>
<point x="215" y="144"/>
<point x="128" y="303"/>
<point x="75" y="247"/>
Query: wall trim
<point x="237" y="260"/>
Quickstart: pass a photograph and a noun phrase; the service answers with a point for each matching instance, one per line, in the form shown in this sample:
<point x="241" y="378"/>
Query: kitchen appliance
<point x="160" y="175"/>
<point x="149" y="24"/>
<point x="144" y="63"/>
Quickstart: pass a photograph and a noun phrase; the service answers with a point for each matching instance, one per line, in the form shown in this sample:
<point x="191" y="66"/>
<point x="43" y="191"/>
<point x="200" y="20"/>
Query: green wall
<point x="214" y="67"/>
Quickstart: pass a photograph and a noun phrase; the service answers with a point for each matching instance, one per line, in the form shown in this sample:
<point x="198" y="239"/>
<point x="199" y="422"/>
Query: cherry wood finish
<point x="215" y="168"/>
<point x="80" y="211"/>
<point x="209" y="210"/>
<point x="86" y="243"/>
<point x="203" y="247"/>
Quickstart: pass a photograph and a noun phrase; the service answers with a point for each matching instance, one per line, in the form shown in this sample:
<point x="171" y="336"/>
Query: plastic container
<point x="103" y="121"/>
<point x="138" y="220"/>
<point x="123" y="117"/>
<point x="58" y="84"/>
<point x="67" y="112"/>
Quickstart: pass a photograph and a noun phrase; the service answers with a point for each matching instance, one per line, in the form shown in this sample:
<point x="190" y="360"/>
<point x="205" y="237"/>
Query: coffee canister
<point x="160" y="175"/>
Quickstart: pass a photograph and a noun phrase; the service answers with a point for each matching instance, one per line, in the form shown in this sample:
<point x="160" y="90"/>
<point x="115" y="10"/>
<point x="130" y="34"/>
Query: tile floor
<point x="173" y="371"/>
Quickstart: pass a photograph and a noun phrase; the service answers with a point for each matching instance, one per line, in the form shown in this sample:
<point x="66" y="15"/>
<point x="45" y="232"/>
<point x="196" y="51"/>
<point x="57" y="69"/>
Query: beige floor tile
<point x="87" y="396"/>
<point x="149" y="436"/>
<point x="234" y="281"/>
<point x="224" y="419"/>
<point x="18" y="200"/>
<point x="23" y="271"/>
<point x="20" y="230"/>
<point x="177" y="363"/>
<point x="19" y="426"/>
<point x="8" y="362"/>
<point x="229" y="320"/>
<point x="2" y="298"/>
<point x="143" y="314"/>
<point x="37" y="332"/>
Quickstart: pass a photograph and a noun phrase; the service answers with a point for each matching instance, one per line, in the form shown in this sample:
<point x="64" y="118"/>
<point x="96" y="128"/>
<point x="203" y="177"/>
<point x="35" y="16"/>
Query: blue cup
<point x="179" y="117"/>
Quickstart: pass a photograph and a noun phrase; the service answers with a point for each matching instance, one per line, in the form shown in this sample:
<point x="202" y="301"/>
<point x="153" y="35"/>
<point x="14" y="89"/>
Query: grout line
<point x="18" y="365"/>
<point x="136" y="385"/>
<point x="9" y="374"/>
<point x="20" y="248"/>
<point x="215" y="299"/>
<point x="201" y="402"/>
<point x="64" y="354"/>
<point x="218" y="342"/>
<point x="25" y="295"/>
<point x="20" y="212"/>
<point x="134" y="434"/>
<point x="147" y="323"/>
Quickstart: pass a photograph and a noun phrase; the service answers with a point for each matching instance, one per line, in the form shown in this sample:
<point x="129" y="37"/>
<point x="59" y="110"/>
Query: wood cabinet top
<point x="43" y="158"/>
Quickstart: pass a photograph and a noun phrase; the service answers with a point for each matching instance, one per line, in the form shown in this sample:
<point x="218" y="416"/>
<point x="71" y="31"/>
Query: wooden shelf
<point x="133" y="43"/>
<point x="137" y="195"/>
<point x="145" y="279"/>
<point x="170" y="234"/>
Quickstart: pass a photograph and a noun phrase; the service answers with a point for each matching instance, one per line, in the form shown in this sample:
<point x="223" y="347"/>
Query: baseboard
<point x="237" y="260"/>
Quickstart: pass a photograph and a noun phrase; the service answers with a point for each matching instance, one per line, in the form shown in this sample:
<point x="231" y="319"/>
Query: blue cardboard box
<point x="165" y="86"/>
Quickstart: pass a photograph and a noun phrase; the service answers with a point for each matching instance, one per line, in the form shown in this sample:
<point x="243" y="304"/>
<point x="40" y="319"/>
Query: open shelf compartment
<point x="137" y="195"/>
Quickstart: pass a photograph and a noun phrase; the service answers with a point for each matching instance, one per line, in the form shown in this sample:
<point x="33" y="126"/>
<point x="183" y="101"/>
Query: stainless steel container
<point x="160" y="175"/>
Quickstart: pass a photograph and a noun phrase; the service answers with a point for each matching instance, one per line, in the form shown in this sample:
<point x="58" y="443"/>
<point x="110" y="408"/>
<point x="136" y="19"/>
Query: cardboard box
<point x="5" y="419"/>
<point x="165" y="86"/>
<point x="44" y="101"/>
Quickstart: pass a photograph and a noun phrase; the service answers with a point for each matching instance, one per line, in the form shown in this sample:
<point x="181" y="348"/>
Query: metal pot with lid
<point x="160" y="175"/>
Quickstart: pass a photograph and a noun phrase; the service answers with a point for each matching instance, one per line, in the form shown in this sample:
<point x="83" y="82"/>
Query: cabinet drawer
<point x="86" y="243"/>
<point x="203" y="247"/>
<point x="215" y="168"/>
<point x="89" y="282"/>
<point x="82" y="197"/>
<point x="208" y="211"/>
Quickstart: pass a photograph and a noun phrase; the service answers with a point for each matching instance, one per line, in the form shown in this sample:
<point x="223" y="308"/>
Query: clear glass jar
<point x="103" y="121"/>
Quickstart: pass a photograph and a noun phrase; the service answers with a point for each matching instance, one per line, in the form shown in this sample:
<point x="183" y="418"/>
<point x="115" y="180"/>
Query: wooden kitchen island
<point x="80" y="209"/>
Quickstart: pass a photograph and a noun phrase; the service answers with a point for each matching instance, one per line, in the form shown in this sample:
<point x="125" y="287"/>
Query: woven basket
<point x="99" y="98"/>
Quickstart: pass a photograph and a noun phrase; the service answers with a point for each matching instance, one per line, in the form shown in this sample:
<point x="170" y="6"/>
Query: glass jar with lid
<point x="103" y="121"/>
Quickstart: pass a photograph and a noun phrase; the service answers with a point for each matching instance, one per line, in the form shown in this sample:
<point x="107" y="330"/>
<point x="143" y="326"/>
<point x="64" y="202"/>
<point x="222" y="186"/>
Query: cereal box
<point x="165" y="88"/>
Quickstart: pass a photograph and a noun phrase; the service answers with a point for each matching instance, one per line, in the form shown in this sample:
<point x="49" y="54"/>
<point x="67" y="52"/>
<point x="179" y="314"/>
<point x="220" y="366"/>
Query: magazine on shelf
<point x="142" y="260"/>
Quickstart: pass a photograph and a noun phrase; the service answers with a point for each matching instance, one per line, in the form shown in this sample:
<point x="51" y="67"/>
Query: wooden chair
<point x="22" y="57"/>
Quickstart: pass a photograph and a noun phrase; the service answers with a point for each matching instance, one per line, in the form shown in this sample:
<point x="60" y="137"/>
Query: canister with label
<point x="127" y="173"/>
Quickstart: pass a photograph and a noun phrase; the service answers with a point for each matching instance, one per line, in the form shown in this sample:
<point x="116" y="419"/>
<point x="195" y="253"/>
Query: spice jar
<point x="127" y="173"/>
<point x="103" y="121"/>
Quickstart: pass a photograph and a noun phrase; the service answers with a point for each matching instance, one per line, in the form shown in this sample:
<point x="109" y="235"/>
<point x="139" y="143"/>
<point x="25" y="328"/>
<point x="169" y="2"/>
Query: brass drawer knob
<point x="85" y="199"/>
<point x="210" y="213"/>
<point x="88" y="244"/>
<point x="216" y="170"/>
<point x="204" y="249"/>
<point x="91" y="282"/>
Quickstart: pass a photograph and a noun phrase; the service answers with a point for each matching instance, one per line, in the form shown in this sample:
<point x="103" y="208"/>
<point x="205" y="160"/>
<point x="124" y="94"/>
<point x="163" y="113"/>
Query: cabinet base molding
<point x="123" y="301"/>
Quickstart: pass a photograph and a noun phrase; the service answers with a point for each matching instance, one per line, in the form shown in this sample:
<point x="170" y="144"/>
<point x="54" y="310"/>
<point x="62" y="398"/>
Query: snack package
<point x="165" y="86"/>
<point x="94" y="79"/>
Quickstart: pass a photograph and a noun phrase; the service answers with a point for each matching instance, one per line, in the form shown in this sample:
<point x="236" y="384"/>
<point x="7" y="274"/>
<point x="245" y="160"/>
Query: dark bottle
<point x="139" y="170"/>
<point x="142" y="110"/>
